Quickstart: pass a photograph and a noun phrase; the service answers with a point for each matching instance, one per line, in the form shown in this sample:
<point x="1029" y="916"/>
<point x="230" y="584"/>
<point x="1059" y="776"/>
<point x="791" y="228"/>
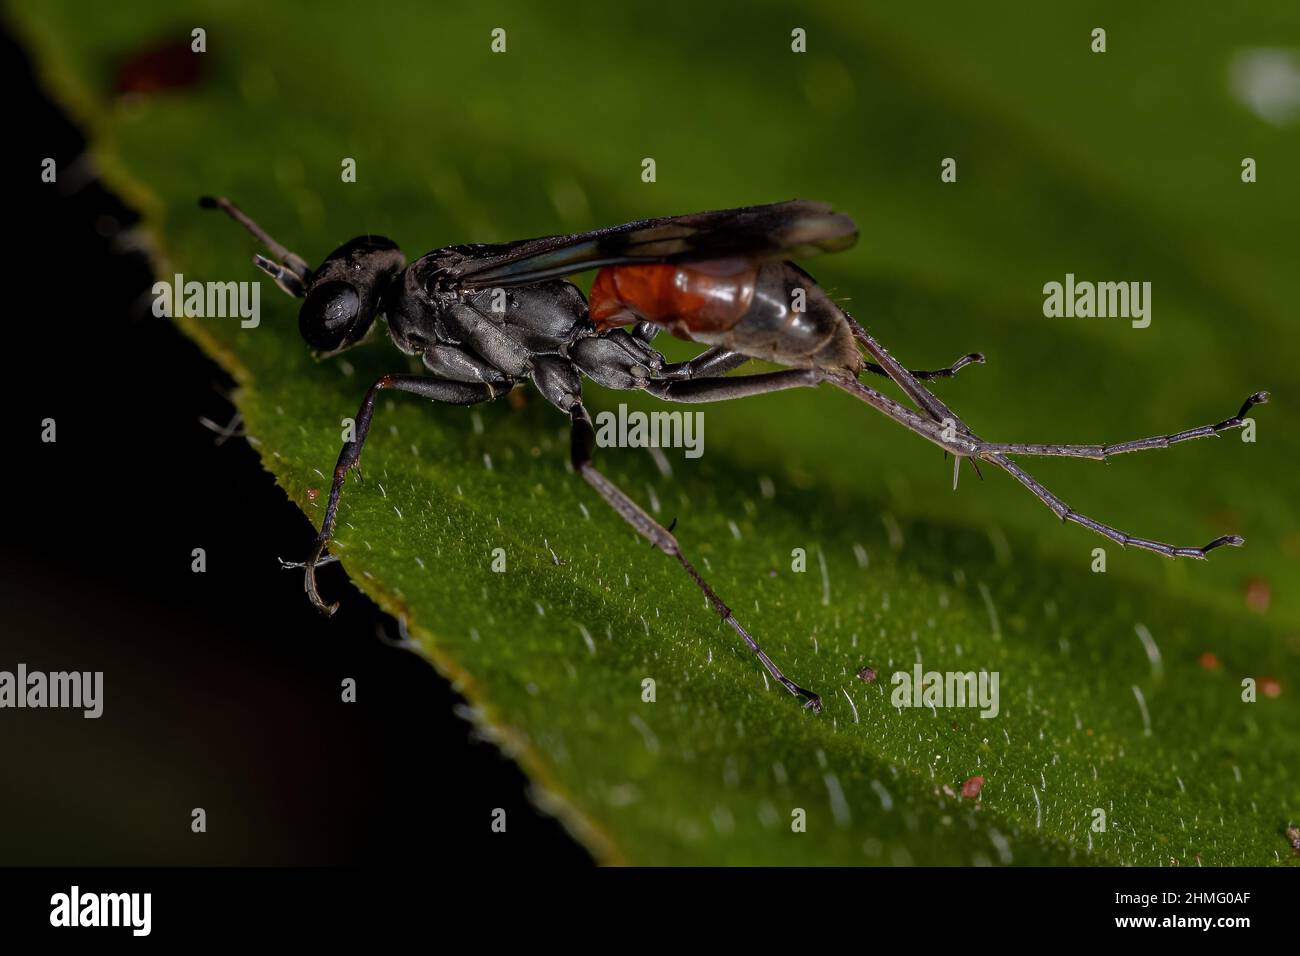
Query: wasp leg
<point x="1066" y="513"/>
<point x="958" y="438"/>
<point x="718" y="361"/>
<point x="968" y="445"/>
<point x="700" y="390"/>
<point x="453" y="393"/>
<point x="583" y="445"/>
<point x="976" y="358"/>
<point x="1102" y="452"/>
<point x="951" y="438"/>
<point x="921" y="396"/>
<point x="710" y="362"/>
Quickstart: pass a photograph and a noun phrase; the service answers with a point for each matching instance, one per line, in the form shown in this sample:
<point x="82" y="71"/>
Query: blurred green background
<point x="1122" y="165"/>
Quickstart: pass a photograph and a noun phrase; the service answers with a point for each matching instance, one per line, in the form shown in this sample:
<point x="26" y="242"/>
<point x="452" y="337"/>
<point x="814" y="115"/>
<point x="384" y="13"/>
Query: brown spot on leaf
<point x="1210" y="661"/>
<point x="867" y="674"/>
<point x="1259" y="595"/>
<point x="971" y="788"/>
<point x="166" y="65"/>
<point x="1270" y="687"/>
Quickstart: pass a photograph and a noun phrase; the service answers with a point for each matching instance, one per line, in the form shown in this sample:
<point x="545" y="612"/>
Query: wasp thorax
<point x="438" y="282"/>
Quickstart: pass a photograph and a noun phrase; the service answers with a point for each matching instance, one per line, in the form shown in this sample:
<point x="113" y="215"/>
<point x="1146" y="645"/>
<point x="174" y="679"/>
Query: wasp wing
<point x="784" y="230"/>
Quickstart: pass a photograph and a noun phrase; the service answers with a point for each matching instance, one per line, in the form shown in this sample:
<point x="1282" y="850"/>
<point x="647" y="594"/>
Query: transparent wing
<point x="785" y="230"/>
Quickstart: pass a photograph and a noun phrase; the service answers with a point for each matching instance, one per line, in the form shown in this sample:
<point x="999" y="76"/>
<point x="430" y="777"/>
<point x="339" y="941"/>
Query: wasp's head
<point x="347" y="292"/>
<point x="343" y="296"/>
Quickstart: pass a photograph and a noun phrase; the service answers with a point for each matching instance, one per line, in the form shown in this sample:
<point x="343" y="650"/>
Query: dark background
<point x="207" y="703"/>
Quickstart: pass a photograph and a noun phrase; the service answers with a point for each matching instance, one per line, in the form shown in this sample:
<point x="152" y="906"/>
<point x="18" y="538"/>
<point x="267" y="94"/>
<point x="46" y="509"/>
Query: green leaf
<point x="1115" y="166"/>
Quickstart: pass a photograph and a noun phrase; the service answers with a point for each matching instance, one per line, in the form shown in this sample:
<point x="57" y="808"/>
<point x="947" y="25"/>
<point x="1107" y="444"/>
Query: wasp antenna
<point x="294" y="262"/>
<point x="285" y="279"/>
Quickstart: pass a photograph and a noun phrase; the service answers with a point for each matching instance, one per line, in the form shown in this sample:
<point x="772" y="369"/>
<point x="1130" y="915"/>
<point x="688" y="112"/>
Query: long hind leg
<point x="1066" y="513"/>
<point x="968" y="445"/>
<point x="1102" y="452"/>
<point x="559" y="382"/>
<point x="583" y="446"/>
<point x="945" y="434"/>
<point x="719" y="361"/>
<point x="971" y="358"/>
<point x="957" y="437"/>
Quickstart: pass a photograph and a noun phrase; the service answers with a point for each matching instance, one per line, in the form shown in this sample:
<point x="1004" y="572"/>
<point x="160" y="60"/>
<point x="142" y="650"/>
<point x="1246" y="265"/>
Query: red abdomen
<point x="702" y="297"/>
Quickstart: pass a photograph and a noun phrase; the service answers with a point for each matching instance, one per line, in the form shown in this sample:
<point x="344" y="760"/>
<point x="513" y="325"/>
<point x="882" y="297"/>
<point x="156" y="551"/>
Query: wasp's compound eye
<point x="329" y="315"/>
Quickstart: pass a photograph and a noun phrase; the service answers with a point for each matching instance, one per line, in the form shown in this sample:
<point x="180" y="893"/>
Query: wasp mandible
<point x="483" y="318"/>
